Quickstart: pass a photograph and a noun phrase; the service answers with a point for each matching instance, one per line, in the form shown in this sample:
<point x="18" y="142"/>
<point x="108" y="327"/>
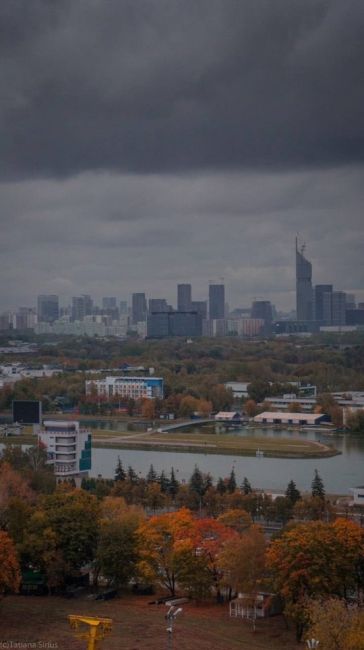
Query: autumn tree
<point x="315" y="559"/>
<point x="148" y="409"/>
<point x="169" y="543"/>
<point x="238" y="519"/>
<point x="157" y="539"/>
<point x="250" y="408"/>
<point x="61" y="535"/>
<point x="12" y="484"/>
<point x="9" y="565"/>
<point x="192" y="568"/>
<point x="116" y="554"/>
<point x="242" y="560"/>
<point x="313" y="508"/>
<point x="335" y="625"/>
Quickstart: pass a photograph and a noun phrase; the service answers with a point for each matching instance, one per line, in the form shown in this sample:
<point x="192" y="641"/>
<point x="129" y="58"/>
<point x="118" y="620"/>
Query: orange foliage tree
<point x="9" y="565"/>
<point x="316" y="559"/>
<point x="242" y="560"/>
<point x="176" y="547"/>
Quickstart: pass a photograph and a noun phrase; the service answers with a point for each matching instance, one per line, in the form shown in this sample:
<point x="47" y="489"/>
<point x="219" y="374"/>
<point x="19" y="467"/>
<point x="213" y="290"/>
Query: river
<point x="339" y="473"/>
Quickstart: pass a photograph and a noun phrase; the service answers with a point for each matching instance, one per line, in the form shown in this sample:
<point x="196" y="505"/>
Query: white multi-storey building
<point x="126" y="387"/>
<point x="68" y="448"/>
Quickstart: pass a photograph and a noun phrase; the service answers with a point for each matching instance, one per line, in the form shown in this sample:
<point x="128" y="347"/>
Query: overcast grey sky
<point x="150" y="142"/>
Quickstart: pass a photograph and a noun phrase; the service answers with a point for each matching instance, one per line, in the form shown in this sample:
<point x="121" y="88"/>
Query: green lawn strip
<point x="222" y="445"/>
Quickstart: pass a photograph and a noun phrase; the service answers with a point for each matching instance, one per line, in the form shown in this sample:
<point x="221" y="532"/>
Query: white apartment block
<point x="126" y="387"/>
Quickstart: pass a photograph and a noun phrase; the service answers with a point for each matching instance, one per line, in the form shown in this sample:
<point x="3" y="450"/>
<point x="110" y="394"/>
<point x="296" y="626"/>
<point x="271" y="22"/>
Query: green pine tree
<point x="132" y="475"/>
<point x="197" y="483"/>
<point x="231" y="484"/>
<point x="152" y="475"/>
<point x="246" y="487"/>
<point x="220" y="486"/>
<point x="173" y="486"/>
<point x="120" y="474"/>
<point x="292" y="493"/>
<point x="317" y="486"/>
<point x="163" y="482"/>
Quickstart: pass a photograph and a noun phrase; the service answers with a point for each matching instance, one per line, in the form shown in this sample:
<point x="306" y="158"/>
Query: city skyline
<point x="150" y="144"/>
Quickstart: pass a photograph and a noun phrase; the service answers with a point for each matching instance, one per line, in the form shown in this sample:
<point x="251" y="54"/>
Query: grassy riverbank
<point x="214" y="444"/>
<point x="202" y="443"/>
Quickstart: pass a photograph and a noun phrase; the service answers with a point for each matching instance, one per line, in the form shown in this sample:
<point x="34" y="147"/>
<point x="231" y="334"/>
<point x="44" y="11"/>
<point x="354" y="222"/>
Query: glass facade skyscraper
<point x="304" y="293"/>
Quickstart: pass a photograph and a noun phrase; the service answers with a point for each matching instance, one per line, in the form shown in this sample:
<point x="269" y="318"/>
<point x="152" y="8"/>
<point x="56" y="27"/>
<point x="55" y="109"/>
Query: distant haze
<point x="154" y="142"/>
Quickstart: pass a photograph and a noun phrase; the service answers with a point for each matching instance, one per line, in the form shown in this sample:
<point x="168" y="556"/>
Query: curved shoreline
<point x="314" y="450"/>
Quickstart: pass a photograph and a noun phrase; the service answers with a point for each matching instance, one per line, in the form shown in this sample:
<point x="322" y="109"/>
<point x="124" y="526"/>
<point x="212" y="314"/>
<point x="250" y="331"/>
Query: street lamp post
<point x="170" y="618"/>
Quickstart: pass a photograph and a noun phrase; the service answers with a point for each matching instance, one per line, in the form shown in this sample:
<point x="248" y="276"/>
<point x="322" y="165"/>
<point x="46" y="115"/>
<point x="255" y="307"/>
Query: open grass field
<point x="41" y="622"/>
<point x="214" y="444"/>
<point x="203" y="442"/>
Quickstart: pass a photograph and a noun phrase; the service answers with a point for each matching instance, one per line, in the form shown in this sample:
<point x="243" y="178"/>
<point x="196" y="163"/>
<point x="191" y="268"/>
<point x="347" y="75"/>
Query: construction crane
<point x="90" y="628"/>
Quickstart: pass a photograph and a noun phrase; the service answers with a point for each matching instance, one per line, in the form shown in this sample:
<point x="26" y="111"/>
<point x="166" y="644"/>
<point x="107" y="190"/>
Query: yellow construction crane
<point x="95" y="630"/>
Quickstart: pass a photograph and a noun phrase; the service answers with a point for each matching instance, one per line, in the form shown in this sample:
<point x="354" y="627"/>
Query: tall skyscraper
<point x="109" y="302"/>
<point x="174" y="323"/>
<point x="216" y="301"/>
<point x="338" y="308"/>
<point x="304" y="294"/>
<point x="184" y="297"/>
<point x="321" y="303"/>
<point x="157" y="305"/>
<point x="138" y="308"/>
<point x="123" y="307"/>
<point x="200" y="306"/>
<point x="81" y="307"/>
<point x="48" y="308"/>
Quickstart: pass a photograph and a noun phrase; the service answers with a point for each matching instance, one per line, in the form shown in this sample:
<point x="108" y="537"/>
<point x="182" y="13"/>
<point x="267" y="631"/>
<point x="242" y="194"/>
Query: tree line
<point x="199" y="538"/>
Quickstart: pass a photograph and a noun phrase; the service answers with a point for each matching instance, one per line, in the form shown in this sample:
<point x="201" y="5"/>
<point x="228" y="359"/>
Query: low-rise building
<point x="280" y="417"/>
<point x="228" y="416"/>
<point x="358" y="495"/>
<point x="68" y="448"/>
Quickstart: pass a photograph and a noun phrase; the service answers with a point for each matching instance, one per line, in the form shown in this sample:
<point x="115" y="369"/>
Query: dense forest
<point x="196" y="369"/>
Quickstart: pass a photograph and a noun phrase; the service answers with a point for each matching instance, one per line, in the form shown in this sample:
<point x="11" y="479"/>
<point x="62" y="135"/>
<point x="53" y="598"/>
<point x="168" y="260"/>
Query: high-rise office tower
<point x="338" y="308"/>
<point x="123" y="306"/>
<point x="200" y="306"/>
<point x="157" y="305"/>
<point x="48" y="308"/>
<point x="216" y="301"/>
<point x="184" y="297"/>
<point x="262" y="309"/>
<point x="138" y="307"/>
<point x="304" y="294"/>
<point x="81" y="306"/>
<point x="320" y="305"/>
<point x="109" y="303"/>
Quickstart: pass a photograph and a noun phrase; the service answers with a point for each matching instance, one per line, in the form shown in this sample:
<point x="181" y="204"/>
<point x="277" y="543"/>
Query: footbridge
<point x="184" y="425"/>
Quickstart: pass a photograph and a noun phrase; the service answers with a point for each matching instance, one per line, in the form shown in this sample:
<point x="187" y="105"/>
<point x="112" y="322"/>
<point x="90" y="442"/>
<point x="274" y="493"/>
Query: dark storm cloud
<point x="56" y="239"/>
<point x="170" y="86"/>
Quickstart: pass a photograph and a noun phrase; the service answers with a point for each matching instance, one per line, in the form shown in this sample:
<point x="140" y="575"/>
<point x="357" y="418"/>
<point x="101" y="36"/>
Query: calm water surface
<point x="339" y="473"/>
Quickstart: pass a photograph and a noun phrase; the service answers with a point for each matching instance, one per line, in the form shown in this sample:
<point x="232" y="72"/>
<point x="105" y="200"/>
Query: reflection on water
<point x="339" y="473"/>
